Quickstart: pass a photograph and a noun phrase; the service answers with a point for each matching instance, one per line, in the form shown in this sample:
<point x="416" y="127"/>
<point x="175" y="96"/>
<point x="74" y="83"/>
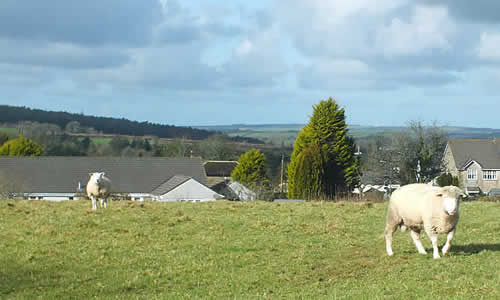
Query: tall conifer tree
<point x="323" y="160"/>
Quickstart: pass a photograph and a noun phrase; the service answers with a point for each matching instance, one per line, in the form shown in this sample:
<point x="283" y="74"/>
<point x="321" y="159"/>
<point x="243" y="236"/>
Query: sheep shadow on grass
<point x="473" y="248"/>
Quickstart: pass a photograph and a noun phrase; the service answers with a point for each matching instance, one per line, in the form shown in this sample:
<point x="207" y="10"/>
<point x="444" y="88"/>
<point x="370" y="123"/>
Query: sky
<point x="213" y="62"/>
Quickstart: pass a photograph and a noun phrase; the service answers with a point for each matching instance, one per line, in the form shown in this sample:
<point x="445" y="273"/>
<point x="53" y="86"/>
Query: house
<point x="64" y="178"/>
<point x="242" y="192"/>
<point x="476" y="163"/>
<point x="184" y="188"/>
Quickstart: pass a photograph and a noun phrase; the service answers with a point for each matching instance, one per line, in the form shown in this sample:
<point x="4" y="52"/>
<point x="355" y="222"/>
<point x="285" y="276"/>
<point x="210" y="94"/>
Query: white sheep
<point x="98" y="187"/>
<point x="420" y="206"/>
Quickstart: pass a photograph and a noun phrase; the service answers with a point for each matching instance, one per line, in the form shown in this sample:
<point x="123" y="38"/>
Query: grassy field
<point x="286" y="133"/>
<point x="101" y="140"/>
<point x="236" y="250"/>
<point x="9" y="131"/>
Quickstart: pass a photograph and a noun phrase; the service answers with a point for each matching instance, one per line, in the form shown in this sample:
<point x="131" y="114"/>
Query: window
<point x="472" y="174"/>
<point x="489" y="175"/>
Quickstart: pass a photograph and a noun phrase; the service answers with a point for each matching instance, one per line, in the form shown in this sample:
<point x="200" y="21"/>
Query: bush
<point x="447" y="179"/>
<point x="21" y="147"/>
<point x="250" y="170"/>
<point x="489" y="198"/>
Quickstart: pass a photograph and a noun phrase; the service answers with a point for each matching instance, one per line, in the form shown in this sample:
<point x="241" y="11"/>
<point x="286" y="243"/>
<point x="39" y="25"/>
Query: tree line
<point x="14" y="114"/>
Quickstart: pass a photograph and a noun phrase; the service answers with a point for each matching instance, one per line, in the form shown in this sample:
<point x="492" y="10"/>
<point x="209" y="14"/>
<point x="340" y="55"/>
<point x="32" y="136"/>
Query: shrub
<point x="447" y="179"/>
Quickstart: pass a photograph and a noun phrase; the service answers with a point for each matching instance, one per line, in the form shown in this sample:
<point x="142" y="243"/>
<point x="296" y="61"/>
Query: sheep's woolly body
<point x="98" y="187"/>
<point x="420" y="206"/>
<point x="417" y="204"/>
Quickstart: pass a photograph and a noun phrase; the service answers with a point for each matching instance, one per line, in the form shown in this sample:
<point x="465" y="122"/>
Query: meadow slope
<point x="236" y="250"/>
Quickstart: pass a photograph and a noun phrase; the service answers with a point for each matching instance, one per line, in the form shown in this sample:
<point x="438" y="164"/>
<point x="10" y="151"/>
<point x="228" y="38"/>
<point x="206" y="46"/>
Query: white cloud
<point x="336" y="27"/>
<point x="244" y="48"/>
<point x="489" y="46"/>
<point x="227" y="54"/>
<point x="257" y="61"/>
<point x="61" y="55"/>
<point x="332" y="12"/>
<point x="344" y="67"/>
<point x="428" y="28"/>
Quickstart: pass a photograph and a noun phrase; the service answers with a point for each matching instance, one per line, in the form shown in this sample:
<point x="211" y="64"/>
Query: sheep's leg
<point x="105" y="203"/>
<point x="102" y="202"/>
<point x="416" y="240"/>
<point x="94" y="203"/>
<point x="434" y="239"/>
<point x="449" y="238"/>
<point x="435" y="250"/>
<point x="389" y="231"/>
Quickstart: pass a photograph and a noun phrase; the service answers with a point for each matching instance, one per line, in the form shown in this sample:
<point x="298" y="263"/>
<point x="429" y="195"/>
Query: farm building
<point x="476" y="163"/>
<point x="218" y="171"/>
<point x="64" y="178"/>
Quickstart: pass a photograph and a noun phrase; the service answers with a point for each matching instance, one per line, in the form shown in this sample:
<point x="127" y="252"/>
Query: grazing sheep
<point x="98" y="187"/>
<point x="420" y="206"/>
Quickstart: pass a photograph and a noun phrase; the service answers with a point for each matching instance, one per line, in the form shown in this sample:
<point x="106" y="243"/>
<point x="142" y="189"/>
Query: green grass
<point x="101" y="140"/>
<point x="9" y="131"/>
<point x="236" y="250"/>
<point x="270" y="137"/>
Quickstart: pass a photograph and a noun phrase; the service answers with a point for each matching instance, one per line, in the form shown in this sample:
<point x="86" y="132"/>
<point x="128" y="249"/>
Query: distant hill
<point x="286" y="133"/>
<point x="14" y="114"/>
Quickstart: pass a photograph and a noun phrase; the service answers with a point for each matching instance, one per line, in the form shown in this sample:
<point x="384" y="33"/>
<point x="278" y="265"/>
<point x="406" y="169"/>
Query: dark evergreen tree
<point x="147" y="146"/>
<point x="85" y="143"/>
<point x="447" y="179"/>
<point x="3" y="138"/>
<point x="118" y="144"/>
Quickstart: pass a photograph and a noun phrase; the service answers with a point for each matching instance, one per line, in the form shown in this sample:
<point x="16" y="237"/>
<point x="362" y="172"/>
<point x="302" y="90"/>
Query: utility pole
<point x="281" y="181"/>
<point x="418" y="171"/>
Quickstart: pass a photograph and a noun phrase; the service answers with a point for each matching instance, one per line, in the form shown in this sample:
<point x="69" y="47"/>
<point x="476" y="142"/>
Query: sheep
<point x="98" y="187"/>
<point x="420" y="206"/>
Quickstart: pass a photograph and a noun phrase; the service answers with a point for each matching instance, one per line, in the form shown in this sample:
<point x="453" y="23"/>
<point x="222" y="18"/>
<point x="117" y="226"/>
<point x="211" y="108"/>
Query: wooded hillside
<point x="13" y="114"/>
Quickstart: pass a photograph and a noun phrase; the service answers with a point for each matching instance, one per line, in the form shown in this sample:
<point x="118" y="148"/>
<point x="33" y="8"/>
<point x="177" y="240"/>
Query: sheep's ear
<point x="103" y="173"/>
<point x="439" y="195"/>
<point x="90" y="174"/>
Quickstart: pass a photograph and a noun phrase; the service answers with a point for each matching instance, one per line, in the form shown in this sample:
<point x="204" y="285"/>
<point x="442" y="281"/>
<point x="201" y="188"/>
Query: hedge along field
<point x="223" y="250"/>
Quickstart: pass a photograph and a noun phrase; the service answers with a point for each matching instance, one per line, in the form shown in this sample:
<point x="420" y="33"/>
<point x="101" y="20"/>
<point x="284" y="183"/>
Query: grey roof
<point x="485" y="152"/>
<point x="170" y="184"/>
<point x="62" y="174"/>
<point x="219" y="168"/>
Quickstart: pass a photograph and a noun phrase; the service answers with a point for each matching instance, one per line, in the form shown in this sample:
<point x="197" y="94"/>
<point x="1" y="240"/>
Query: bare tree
<point x="412" y="155"/>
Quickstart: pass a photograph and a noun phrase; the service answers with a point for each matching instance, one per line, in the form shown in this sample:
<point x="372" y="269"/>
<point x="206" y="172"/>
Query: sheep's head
<point x="451" y="196"/>
<point x="96" y="177"/>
